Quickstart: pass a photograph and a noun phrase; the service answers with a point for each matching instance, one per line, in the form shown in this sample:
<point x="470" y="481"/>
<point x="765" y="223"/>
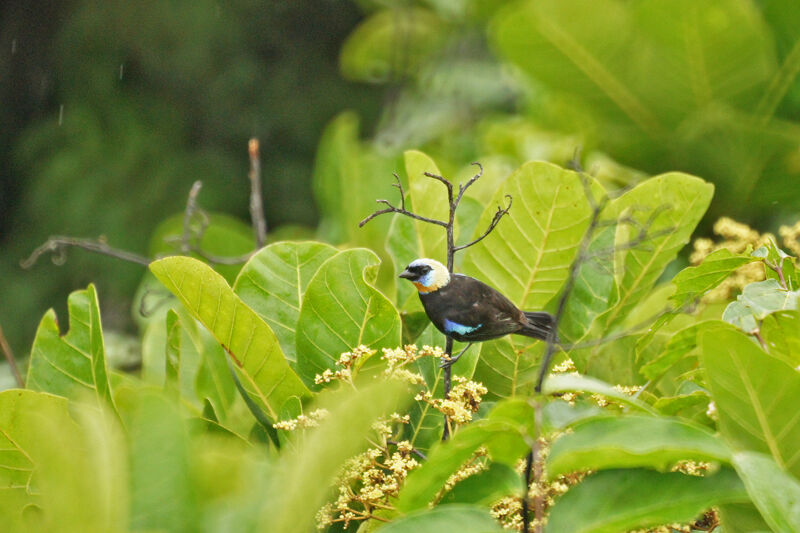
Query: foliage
<point x="305" y="386"/>
<point x="222" y="409"/>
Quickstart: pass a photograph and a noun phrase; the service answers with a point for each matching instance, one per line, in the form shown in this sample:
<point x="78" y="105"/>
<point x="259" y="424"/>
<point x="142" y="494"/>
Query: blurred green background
<point x="111" y="110"/>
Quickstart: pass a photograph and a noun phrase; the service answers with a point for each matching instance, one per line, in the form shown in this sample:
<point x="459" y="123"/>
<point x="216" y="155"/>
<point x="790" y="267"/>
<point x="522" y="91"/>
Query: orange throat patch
<point x="422" y="288"/>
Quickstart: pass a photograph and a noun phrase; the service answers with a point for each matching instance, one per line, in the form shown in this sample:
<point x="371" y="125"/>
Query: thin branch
<point x="10" y="358"/>
<point x="256" y="197"/>
<point x="58" y="244"/>
<point x="463" y="188"/>
<point x="188" y="213"/>
<point x="495" y="220"/>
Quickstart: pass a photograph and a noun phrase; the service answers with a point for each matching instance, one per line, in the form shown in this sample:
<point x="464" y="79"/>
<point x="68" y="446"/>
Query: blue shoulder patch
<point x="455" y="327"/>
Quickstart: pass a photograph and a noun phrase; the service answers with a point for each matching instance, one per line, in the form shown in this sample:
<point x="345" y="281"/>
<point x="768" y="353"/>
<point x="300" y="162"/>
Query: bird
<point x="468" y="310"/>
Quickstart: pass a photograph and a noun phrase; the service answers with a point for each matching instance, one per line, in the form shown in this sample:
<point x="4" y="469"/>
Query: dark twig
<point x="452" y="201"/>
<point x="10" y="358"/>
<point x="58" y="244"/>
<point x="497" y="216"/>
<point x="256" y="197"/>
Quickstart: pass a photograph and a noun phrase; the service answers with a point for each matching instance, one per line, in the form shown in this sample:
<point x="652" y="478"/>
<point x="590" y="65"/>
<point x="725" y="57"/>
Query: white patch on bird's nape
<point x="435" y="279"/>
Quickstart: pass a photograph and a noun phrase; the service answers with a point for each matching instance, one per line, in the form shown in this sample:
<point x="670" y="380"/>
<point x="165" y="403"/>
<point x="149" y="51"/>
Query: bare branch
<point x="402" y="211"/>
<point x="59" y="244"/>
<point x="495" y="220"/>
<point x="447" y="183"/>
<point x="463" y="188"/>
<point x="191" y="207"/>
<point x="10" y="358"/>
<point x="256" y="197"/>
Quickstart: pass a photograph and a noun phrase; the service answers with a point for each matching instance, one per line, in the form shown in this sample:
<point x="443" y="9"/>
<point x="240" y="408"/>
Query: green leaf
<point x="253" y="347"/>
<point x="508" y="366"/>
<point x="620" y="500"/>
<point x="62" y="466"/>
<point x="348" y="177"/>
<point x="669" y="207"/>
<point x="681" y="345"/>
<point x="341" y="310"/>
<point x="370" y="53"/>
<point x="74" y="365"/>
<point x="570" y="383"/>
<point x="423" y="484"/>
<point x="528" y="255"/>
<point x="594" y="285"/>
<point x="693" y="282"/>
<point x="273" y="281"/>
<point x="779" y="331"/>
<point x="758" y="300"/>
<point x="486" y="487"/>
<point x="751" y="390"/>
<point x="454" y="517"/>
<point x="775" y="493"/>
<point x="633" y="441"/>
<point x="162" y="492"/>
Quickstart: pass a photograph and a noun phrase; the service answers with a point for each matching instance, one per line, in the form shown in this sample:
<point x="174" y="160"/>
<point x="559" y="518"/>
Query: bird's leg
<point x="452" y="360"/>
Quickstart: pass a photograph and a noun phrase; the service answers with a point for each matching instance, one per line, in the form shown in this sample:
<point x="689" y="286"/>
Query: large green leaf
<point x="594" y="285"/>
<point x="779" y="331"/>
<point x="758" y="300"/>
<point x="666" y="79"/>
<point x="341" y="310"/>
<point x="508" y="366"/>
<point x="775" y="493"/>
<point x="486" y="487"/>
<point x="668" y="207"/>
<point x="74" y="365"/>
<point x="423" y="484"/>
<point x="692" y="282"/>
<point x="620" y="500"/>
<point x="348" y="178"/>
<point x="574" y="383"/>
<point x="61" y="466"/>
<point x="633" y="441"/>
<point x="253" y="347"/>
<point x="273" y="281"/>
<point x="370" y="52"/>
<point x="752" y="390"/>
<point x="453" y="517"/>
<point x="162" y="493"/>
<point x="528" y="255"/>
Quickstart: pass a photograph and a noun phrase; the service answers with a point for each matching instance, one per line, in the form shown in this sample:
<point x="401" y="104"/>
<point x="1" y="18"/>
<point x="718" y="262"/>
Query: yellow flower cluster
<point x="473" y="465"/>
<point x="462" y="400"/>
<point x="791" y="237"/>
<point x="347" y="361"/>
<point x="303" y="421"/>
<point x="508" y="510"/>
<point x="366" y="484"/>
<point x="737" y="238"/>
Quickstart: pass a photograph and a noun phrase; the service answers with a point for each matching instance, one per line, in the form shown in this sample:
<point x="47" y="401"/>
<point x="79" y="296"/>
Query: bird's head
<point x="427" y="275"/>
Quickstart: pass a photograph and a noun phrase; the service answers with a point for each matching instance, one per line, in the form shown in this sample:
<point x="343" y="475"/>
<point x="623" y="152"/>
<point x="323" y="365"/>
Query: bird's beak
<point x="406" y="274"/>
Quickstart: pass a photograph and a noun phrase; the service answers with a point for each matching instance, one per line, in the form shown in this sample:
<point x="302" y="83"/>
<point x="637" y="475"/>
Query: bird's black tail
<point x="539" y="325"/>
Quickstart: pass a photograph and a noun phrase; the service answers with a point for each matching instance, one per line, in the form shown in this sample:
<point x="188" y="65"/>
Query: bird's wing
<point x="472" y="303"/>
